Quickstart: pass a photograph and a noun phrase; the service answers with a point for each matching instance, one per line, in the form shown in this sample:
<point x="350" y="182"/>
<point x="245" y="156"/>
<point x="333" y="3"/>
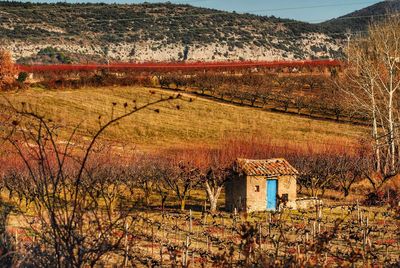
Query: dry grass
<point x="202" y="121"/>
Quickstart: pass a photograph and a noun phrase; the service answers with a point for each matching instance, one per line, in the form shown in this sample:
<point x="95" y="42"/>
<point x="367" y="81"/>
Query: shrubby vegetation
<point x="113" y="23"/>
<point x="54" y="54"/>
<point x="169" y="24"/>
<point x="8" y="71"/>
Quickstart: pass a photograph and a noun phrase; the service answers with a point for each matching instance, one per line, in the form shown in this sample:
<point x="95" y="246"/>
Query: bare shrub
<point x="75" y="201"/>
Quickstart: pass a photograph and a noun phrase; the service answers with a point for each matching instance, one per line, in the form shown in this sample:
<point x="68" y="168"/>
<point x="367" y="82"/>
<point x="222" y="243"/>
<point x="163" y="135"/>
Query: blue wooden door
<point x="272" y="190"/>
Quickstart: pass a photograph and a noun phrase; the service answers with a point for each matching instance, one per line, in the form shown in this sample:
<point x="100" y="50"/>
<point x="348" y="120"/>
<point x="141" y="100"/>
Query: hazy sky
<point x="306" y="10"/>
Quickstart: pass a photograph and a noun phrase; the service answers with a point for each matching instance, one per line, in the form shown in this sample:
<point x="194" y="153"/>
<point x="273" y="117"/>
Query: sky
<point x="313" y="11"/>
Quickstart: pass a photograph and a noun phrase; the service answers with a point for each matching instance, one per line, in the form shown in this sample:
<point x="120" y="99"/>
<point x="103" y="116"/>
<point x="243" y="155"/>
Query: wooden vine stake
<point x="190" y="222"/>
<point x="126" y="246"/>
<point x="186" y="254"/>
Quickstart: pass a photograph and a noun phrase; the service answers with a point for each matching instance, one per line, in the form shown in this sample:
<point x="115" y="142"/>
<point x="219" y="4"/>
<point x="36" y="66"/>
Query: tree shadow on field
<point x="196" y="208"/>
<point x="171" y="208"/>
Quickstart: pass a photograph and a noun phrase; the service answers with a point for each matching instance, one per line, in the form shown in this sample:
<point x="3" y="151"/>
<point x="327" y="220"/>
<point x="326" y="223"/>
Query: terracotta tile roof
<point x="268" y="167"/>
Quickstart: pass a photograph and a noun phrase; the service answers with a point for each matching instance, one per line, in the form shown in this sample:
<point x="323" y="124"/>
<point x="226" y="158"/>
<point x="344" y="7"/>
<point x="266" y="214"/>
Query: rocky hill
<point x="70" y="33"/>
<point x="359" y="20"/>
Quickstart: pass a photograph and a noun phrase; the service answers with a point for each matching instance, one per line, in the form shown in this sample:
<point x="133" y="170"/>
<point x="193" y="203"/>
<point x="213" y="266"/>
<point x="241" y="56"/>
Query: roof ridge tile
<point x="266" y="167"/>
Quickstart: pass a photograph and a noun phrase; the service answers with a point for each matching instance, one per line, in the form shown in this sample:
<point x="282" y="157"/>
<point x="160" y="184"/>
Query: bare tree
<point x="145" y="178"/>
<point x="348" y="169"/>
<point x="184" y="177"/>
<point x="150" y="175"/>
<point x="214" y="181"/>
<point x="163" y="172"/>
<point x="375" y="83"/>
<point x="205" y="82"/>
<point x="77" y="220"/>
<point x="316" y="173"/>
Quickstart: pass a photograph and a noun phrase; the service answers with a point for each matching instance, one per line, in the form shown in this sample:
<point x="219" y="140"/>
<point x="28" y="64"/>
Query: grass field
<point x="201" y="121"/>
<point x="335" y="234"/>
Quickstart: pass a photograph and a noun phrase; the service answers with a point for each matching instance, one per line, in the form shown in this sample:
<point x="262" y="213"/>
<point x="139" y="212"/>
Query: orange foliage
<point x="8" y="70"/>
<point x="203" y="156"/>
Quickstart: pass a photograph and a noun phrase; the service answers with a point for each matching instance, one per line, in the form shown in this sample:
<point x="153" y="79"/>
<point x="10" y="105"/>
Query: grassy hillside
<point x="201" y="121"/>
<point x="168" y="32"/>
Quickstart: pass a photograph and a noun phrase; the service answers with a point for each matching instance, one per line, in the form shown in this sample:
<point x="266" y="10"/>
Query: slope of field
<point x="201" y="121"/>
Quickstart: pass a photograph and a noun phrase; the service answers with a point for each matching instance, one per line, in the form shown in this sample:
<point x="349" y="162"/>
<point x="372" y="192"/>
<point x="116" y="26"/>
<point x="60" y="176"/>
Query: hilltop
<point x="72" y="33"/>
<point x="359" y="20"/>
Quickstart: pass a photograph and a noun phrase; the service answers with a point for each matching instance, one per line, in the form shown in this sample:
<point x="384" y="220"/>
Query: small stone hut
<point x="259" y="185"/>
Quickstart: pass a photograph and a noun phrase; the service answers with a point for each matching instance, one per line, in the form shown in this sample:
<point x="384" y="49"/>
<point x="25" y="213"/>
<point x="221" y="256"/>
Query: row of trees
<point x="304" y="94"/>
<point x="11" y="77"/>
<point x="307" y="94"/>
<point x="311" y="94"/>
<point x="96" y="78"/>
<point x="171" y="175"/>
<point x="178" y="172"/>
<point x="373" y="85"/>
